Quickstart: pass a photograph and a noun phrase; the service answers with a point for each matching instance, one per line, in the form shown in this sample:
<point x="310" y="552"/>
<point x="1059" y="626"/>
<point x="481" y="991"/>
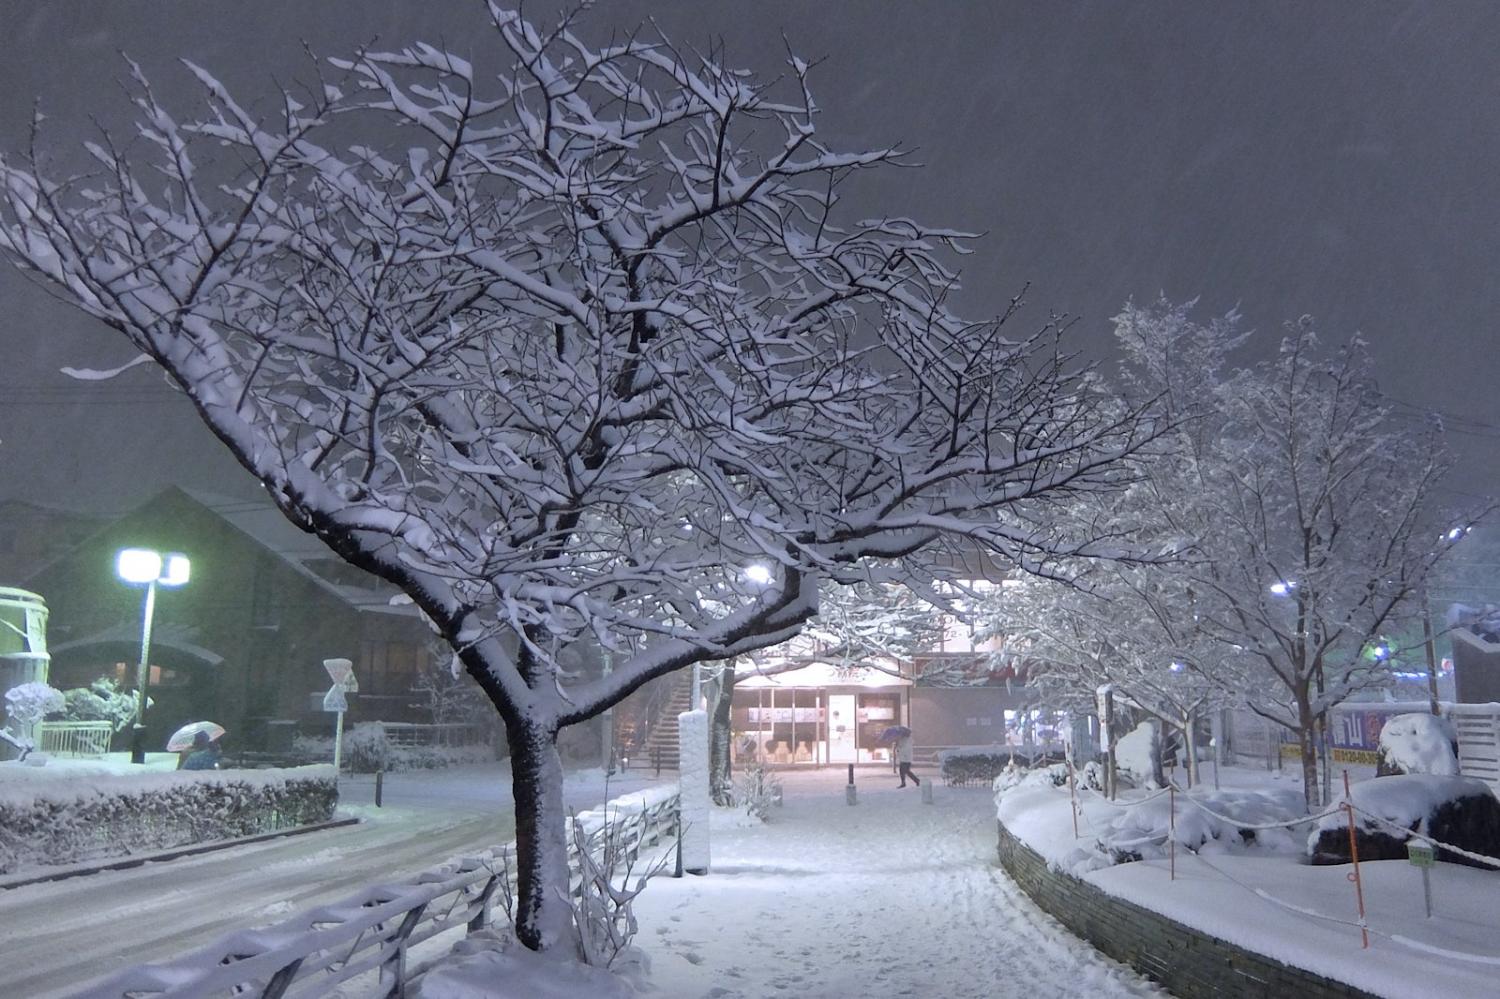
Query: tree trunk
<point x="543" y="912"/>
<point x="720" y="773"/>
<point x="1307" y="727"/>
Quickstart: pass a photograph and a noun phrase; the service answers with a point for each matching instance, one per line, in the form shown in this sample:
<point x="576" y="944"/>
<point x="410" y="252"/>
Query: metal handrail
<point x="309" y="953"/>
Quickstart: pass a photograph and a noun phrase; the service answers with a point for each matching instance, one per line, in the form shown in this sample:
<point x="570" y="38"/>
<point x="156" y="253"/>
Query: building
<point x="243" y="642"/>
<point x="796" y="708"/>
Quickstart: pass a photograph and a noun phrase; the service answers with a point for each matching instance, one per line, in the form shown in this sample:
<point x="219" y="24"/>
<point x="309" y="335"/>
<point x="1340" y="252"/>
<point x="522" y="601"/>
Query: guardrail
<point x="374" y="930"/>
<point x="85" y="738"/>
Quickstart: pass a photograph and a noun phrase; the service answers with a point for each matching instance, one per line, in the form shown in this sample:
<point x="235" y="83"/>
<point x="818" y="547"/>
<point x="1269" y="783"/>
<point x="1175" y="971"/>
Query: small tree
<point x="1327" y="532"/>
<point x="25" y="705"/>
<point x="557" y="350"/>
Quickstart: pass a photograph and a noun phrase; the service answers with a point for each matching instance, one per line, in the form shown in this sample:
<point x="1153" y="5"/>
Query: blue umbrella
<point x="893" y="733"/>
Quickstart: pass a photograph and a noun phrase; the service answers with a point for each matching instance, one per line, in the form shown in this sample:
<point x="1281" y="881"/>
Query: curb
<point x="137" y="860"/>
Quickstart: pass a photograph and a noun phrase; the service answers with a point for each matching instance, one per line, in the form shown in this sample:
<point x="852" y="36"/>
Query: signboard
<point x="1105" y="706"/>
<point x="335" y="700"/>
<point x="341" y="672"/>
<point x="1420" y="853"/>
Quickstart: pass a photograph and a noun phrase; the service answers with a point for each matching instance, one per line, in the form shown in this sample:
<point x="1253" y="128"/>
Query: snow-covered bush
<point x="62" y="822"/>
<point x="25" y="705"/>
<point x="1138" y="755"/>
<point x="757" y="789"/>
<point x="29" y="703"/>
<point x="367" y="749"/>
<point x="1141" y="830"/>
<point x="1417" y="744"/>
<point x="974" y="764"/>
<point x="102" y="700"/>
<point x="1462" y="811"/>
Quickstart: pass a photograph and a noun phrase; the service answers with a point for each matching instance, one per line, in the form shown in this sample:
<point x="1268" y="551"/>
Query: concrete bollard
<point x="379" y="786"/>
<point x="927" y="791"/>
<point x="850" y="795"/>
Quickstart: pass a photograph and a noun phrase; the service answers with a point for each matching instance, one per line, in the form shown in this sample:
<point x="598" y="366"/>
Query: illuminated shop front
<point x="817" y="715"/>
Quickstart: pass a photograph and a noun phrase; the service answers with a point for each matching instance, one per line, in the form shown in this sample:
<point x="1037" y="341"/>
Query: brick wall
<point x="1189" y="963"/>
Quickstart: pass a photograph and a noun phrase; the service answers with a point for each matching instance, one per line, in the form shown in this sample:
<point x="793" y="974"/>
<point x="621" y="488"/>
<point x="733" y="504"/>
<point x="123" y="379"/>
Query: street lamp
<point x="141" y="565"/>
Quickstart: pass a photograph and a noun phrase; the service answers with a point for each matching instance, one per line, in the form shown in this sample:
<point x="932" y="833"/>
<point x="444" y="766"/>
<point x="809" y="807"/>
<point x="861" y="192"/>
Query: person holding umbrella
<point x="196" y="746"/>
<point x="901" y="736"/>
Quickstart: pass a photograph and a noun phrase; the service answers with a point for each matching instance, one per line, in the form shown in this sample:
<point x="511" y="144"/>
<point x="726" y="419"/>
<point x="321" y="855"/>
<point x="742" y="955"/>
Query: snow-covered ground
<point x="1302" y="915"/>
<point x="889" y="897"/>
<point x="57" y="935"/>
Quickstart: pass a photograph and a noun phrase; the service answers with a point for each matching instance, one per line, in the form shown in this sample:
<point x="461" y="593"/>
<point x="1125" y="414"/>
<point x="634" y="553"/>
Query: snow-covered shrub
<point x="63" y="822"/>
<point x="1417" y="744"/>
<point x="974" y="764"/>
<point x="757" y="789"/>
<point x="29" y="703"/>
<point x="1141" y="830"/>
<point x="1138" y="755"/>
<point x="102" y="700"/>
<point x="604" y="920"/>
<point x="25" y="705"/>
<point x="366" y="748"/>
<point x="1462" y="811"/>
<point x="487" y="957"/>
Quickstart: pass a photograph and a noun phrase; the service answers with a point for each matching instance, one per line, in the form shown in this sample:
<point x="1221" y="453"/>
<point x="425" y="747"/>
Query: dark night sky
<point x="1288" y="158"/>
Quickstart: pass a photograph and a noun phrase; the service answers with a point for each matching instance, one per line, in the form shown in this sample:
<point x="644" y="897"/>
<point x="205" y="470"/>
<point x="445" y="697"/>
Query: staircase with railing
<point x="646" y="729"/>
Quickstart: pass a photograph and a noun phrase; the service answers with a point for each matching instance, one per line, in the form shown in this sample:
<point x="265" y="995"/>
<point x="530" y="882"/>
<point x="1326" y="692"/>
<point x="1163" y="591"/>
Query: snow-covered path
<point x="890" y="897"/>
<point x="55" y="936"/>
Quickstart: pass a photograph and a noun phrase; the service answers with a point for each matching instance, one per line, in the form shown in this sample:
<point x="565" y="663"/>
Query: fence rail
<point x="85" y="738"/>
<point x="445" y="734"/>
<point x="373" y="931"/>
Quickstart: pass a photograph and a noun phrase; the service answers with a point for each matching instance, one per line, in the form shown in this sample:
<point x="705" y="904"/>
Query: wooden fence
<point x="372" y="933"/>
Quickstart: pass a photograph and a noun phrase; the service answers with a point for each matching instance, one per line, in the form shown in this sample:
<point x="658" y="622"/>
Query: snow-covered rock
<point x="1417" y="744"/>
<point x="1461" y="811"/>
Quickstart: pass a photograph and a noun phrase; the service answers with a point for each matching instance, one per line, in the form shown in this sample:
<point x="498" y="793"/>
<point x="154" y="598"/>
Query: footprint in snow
<point x="692" y="957"/>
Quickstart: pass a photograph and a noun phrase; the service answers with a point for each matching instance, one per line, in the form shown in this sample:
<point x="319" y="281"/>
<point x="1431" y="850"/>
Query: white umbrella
<point x="183" y="737"/>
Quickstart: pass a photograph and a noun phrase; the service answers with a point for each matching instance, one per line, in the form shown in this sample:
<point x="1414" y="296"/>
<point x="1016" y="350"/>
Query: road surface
<point x="56" y="936"/>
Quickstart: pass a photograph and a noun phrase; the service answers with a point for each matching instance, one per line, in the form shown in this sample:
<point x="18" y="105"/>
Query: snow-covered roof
<point x="172" y="636"/>
<point x="263" y="523"/>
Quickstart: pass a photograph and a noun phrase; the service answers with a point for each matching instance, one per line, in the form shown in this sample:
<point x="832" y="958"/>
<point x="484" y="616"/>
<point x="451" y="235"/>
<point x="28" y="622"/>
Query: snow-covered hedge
<point x="367" y="749"/>
<point x="64" y="821"/>
<point x="1462" y="811"/>
<point x="983" y="764"/>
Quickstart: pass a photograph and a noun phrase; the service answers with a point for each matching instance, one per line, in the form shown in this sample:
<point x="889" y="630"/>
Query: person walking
<point x="903" y="754"/>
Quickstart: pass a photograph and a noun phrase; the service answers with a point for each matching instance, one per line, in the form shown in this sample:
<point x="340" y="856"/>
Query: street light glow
<point x="758" y="574"/>
<point x="137" y="565"/>
<point x="1282" y="587"/>
<point x="153" y="569"/>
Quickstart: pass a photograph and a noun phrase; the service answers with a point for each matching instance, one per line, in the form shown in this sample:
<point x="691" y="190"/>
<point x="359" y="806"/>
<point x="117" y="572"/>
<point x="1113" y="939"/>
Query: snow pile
<point x="1418" y="744"/>
<point x="492" y="963"/>
<point x="62" y="816"/>
<point x="1206" y="822"/>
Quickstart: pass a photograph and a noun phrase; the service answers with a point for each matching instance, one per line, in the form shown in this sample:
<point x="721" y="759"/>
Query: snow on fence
<point x="445" y="734"/>
<point x="374" y="931"/>
<point x="1478" y="730"/>
<point x="80" y="738"/>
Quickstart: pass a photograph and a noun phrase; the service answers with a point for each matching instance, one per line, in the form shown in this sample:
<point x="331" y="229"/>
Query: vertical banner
<point x="692" y="776"/>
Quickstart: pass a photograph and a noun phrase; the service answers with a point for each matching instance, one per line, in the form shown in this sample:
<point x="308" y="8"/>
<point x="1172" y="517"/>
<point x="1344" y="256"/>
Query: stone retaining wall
<point x="1188" y="962"/>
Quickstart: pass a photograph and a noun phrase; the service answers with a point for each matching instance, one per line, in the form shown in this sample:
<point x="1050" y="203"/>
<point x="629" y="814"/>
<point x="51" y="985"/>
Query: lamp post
<point x="141" y="565"/>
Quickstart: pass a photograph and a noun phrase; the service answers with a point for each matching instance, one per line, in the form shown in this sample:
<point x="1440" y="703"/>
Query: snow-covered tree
<point x="1327" y="530"/>
<point x="557" y="349"/>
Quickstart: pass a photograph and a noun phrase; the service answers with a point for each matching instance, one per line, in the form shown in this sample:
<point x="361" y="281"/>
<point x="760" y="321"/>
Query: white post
<point x="338" y="741"/>
<point x="692" y="778"/>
